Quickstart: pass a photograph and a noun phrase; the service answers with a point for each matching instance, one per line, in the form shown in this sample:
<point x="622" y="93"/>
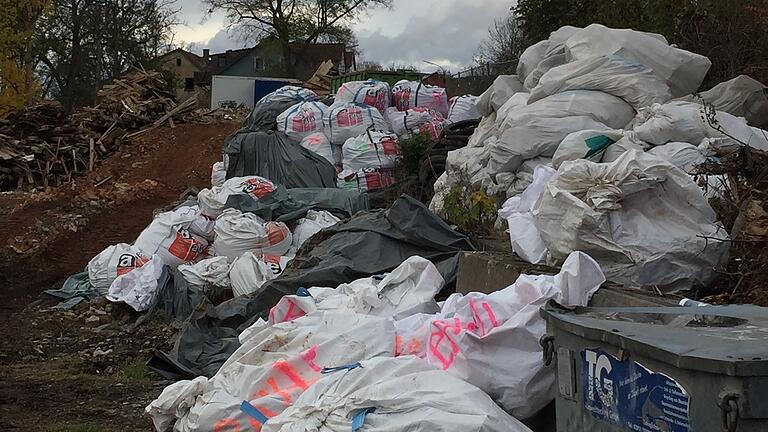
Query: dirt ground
<point x="83" y="370"/>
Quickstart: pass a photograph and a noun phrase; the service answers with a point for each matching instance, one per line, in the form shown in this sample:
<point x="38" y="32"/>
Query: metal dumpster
<point x="670" y="369"/>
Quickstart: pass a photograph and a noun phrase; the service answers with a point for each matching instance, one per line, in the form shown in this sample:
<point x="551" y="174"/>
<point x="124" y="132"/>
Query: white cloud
<point x="446" y="32"/>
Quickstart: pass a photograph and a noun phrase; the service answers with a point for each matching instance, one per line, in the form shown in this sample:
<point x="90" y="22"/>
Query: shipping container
<point x="236" y="90"/>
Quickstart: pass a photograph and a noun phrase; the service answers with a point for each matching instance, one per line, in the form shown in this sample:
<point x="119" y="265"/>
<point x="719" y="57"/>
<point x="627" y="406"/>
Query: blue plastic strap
<point x="340" y="368"/>
<point x="251" y="411"/>
<point x="303" y="292"/>
<point x="359" y="419"/>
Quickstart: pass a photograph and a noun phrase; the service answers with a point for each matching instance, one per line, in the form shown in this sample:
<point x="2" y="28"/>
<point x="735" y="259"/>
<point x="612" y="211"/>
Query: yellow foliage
<point x="17" y="21"/>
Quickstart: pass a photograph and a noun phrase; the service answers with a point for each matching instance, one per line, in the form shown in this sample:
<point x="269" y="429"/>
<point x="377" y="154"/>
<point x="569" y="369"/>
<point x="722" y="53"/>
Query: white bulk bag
<point x="411" y="94"/>
<point x="587" y="144"/>
<point x="212" y="201"/>
<point x="302" y="119"/>
<point x="492" y="340"/>
<point x="741" y="97"/>
<point x="192" y="218"/>
<point x="393" y="395"/>
<point x="218" y="174"/>
<point x="643" y="219"/>
<point x="408" y="289"/>
<point x="238" y="232"/>
<point x="525" y="237"/>
<point x="537" y="129"/>
<point x="169" y="236"/>
<point x="289" y="94"/>
<point x="112" y="262"/>
<point x="271" y="368"/>
<point x="211" y="271"/>
<point x="310" y="225"/>
<point x="688" y="122"/>
<point x="345" y="120"/>
<point x="463" y="108"/>
<point x="503" y="87"/>
<point x="629" y="141"/>
<point x="682" y="70"/>
<point x="371" y="92"/>
<point x="405" y="123"/>
<point x="537" y="59"/>
<point x="250" y="272"/>
<point x="138" y="288"/>
<point x="371" y="149"/>
<point x="366" y="179"/>
<point x="685" y="156"/>
<point x="319" y="143"/>
<point x="634" y="83"/>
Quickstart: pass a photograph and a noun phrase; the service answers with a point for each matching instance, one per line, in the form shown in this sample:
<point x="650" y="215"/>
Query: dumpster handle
<point x="547" y="343"/>
<point x="729" y="408"/>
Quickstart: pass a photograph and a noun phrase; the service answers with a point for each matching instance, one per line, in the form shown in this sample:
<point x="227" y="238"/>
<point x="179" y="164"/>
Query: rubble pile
<point x="42" y="145"/>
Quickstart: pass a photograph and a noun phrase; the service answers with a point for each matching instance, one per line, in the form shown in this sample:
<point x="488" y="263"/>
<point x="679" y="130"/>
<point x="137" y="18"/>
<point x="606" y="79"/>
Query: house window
<point x="178" y="62"/>
<point x="189" y="84"/>
<point x="258" y="64"/>
<point x="222" y="61"/>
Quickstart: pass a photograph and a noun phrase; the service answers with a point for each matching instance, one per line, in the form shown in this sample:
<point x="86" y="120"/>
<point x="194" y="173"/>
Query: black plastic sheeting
<point x="276" y="157"/>
<point x="264" y="115"/>
<point x="284" y="205"/>
<point x="370" y="243"/>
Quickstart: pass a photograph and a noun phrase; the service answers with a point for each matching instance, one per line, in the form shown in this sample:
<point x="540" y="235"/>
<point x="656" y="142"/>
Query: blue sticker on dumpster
<point x="627" y="394"/>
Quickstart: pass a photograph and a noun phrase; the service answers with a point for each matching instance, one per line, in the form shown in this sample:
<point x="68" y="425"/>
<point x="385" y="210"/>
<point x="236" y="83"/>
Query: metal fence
<point x="488" y="69"/>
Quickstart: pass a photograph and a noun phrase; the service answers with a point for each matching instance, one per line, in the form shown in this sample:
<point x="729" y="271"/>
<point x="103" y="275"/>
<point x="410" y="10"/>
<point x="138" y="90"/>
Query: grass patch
<point x="135" y="372"/>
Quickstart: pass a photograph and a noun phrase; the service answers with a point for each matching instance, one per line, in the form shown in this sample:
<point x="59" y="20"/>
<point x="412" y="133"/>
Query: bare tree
<point x="504" y="43"/>
<point x="288" y="21"/>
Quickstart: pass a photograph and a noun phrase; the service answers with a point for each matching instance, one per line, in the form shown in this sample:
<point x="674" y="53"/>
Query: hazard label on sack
<point x="128" y="262"/>
<point x="185" y="247"/>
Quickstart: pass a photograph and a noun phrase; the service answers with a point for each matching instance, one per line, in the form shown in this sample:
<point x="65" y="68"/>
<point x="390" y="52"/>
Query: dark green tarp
<point x="284" y="205"/>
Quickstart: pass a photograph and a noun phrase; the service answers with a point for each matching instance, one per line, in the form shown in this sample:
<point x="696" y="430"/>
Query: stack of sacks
<point x="475" y="336"/>
<point x="112" y="262"/>
<point x="238" y="233"/>
<point x="213" y="201"/>
<point x="372" y="92"/>
<point x="302" y="120"/>
<point x="273" y="366"/>
<point x="177" y="237"/>
<point x="319" y="143"/>
<point x="411" y="94"/>
<point x="592" y="79"/>
<point x="463" y="108"/>
<point x="416" y="121"/>
<point x="250" y="271"/>
<point x="373" y="152"/>
<point x="345" y="120"/>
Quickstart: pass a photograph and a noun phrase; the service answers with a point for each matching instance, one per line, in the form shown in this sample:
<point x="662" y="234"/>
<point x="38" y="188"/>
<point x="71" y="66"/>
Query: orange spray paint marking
<point x="291" y="373"/>
<point x="309" y="357"/>
<point x="280" y="392"/>
<point x="227" y="425"/>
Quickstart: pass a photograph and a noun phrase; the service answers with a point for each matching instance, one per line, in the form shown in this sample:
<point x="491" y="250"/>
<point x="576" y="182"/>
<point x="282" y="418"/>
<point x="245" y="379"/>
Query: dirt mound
<point x="84" y="368"/>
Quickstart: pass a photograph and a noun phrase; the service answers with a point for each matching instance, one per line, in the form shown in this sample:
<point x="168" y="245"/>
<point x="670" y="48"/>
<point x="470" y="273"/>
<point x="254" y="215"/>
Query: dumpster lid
<point x="729" y="340"/>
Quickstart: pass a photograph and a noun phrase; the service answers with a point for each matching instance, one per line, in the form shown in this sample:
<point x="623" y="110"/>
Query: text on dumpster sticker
<point x="627" y="394"/>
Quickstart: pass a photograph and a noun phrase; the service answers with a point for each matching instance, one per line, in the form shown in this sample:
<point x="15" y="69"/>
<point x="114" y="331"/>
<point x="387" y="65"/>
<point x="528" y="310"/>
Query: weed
<point x="135" y="372"/>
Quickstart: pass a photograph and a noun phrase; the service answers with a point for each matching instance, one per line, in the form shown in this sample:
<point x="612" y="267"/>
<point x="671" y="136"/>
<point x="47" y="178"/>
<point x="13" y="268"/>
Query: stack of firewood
<point x="43" y="146"/>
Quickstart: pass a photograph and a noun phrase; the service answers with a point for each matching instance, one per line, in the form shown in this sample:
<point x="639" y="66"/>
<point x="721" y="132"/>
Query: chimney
<point x="206" y="54"/>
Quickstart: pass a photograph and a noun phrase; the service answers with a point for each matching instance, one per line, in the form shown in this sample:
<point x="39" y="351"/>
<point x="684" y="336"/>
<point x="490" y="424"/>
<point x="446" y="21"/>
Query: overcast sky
<point x="446" y="32"/>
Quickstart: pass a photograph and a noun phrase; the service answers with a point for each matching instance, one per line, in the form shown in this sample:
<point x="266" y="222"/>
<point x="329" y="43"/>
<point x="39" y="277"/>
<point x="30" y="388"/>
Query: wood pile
<point x="320" y="82"/>
<point x="43" y="146"/>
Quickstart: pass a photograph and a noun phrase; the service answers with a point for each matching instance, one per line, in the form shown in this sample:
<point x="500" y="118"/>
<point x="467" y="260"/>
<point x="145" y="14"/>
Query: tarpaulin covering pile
<point x="274" y="156"/>
<point x="369" y="243"/>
